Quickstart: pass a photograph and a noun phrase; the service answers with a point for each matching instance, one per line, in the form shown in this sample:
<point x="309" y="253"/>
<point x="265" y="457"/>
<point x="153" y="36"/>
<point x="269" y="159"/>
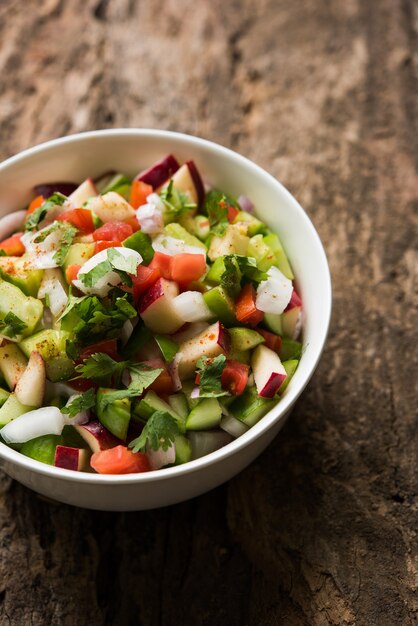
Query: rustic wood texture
<point x="321" y="529"/>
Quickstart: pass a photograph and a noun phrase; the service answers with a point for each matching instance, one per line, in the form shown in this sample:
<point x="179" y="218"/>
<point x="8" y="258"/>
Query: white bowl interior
<point x="90" y="154"/>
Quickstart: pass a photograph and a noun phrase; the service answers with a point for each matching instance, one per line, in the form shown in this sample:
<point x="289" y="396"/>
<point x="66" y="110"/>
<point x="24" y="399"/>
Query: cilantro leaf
<point x="101" y="368"/>
<point x="12" y="325"/>
<point x="57" y="199"/>
<point x="231" y="277"/>
<point x="160" y="431"/>
<point x="175" y="202"/>
<point x="94" y="275"/>
<point x="142" y="376"/>
<point x="210" y="372"/>
<point x="65" y="243"/>
<point x="216" y="207"/>
<point x="120" y="262"/>
<point x="81" y="402"/>
<point x="248" y="266"/>
<point x="118" y="394"/>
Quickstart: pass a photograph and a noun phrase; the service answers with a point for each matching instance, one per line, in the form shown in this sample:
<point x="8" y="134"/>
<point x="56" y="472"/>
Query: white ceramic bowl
<point x="74" y="158"/>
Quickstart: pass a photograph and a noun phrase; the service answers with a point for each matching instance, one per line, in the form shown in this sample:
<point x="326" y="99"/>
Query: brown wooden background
<point x="320" y="529"/>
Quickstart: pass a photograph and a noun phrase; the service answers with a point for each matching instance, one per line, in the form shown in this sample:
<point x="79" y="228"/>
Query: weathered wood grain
<point x="321" y="529"/>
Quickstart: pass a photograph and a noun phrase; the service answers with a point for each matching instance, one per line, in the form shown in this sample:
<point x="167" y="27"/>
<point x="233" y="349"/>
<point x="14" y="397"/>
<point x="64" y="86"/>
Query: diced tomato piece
<point x="119" y="460"/>
<point x="163" y="263"/>
<point x="234" y="377"/>
<point x="108" y="346"/>
<point x="246" y="310"/>
<point x="163" y="385"/>
<point x="104" y="245"/>
<point x="145" y="277"/>
<point x="272" y="341"/>
<point x="36" y="203"/>
<point x="232" y="213"/>
<point x="13" y="246"/>
<point x="133" y="223"/>
<point x="80" y="218"/>
<point x="186" y="267"/>
<point x="71" y="273"/>
<point x="139" y="193"/>
<point x="113" y="231"/>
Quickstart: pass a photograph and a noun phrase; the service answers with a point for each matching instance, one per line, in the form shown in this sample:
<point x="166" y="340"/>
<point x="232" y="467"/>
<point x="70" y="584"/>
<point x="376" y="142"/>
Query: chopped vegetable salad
<point x="143" y="323"/>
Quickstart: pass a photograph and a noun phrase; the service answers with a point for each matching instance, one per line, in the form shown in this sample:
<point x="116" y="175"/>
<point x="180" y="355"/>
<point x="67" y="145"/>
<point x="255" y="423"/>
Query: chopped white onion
<point x="171" y="246"/>
<point x="47" y="420"/>
<point x="11" y="223"/>
<point x="246" y="204"/>
<point x="205" y="442"/>
<point x="150" y="219"/>
<point x="52" y="287"/>
<point x="155" y="199"/>
<point x="111" y="279"/>
<point x="190" y="306"/>
<point x="159" y="458"/>
<point x="273" y="294"/>
<point x="41" y="255"/>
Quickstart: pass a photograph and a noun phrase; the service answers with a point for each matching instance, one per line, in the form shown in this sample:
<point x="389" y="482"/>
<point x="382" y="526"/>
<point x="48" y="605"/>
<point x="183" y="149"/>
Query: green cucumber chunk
<point x="221" y="305"/>
<point x="17" y="271"/>
<point x="51" y="346"/>
<point x="178" y="232"/>
<point x="168" y="347"/>
<point x="250" y="407"/>
<point x="207" y="414"/>
<point x="290" y="349"/>
<point x="141" y="242"/>
<point x="11" y="409"/>
<point x="282" y="262"/>
<point x="273" y="321"/>
<point x="3" y="396"/>
<point x="183" y="450"/>
<point x="42" y="448"/>
<point x="78" y="254"/>
<point x="29" y="310"/>
<point x="244" y="338"/>
<point x="290" y="367"/>
<point x="114" y="416"/>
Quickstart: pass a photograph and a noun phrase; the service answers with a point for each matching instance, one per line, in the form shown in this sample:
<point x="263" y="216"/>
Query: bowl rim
<point x="275" y="415"/>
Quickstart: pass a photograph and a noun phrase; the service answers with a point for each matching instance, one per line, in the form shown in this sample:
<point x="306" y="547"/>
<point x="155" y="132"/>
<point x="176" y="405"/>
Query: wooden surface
<point x="320" y="529"/>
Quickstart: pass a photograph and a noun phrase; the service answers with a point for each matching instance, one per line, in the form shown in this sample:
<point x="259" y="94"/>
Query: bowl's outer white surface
<point x="129" y="150"/>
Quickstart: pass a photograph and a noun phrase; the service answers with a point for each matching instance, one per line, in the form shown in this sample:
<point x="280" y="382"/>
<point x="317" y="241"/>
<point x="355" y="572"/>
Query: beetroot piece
<point x="47" y="189"/>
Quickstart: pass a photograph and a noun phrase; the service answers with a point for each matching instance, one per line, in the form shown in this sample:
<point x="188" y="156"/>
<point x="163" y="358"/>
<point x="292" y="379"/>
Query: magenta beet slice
<point x="197" y="180"/>
<point x="47" y="189"/>
<point x="158" y="173"/>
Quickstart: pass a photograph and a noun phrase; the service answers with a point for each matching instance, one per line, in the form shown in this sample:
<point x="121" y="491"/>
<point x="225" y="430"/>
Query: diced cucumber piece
<point x="42" y="448"/>
<point x="141" y="242"/>
<point x="290" y="367"/>
<point x="168" y="347"/>
<point x="221" y="305"/>
<point x="178" y="232"/>
<point x="11" y="409"/>
<point x="183" y="450"/>
<point x="201" y="226"/>
<point x="179" y="405"/>
<point x="243" y="356"/>
<point x="262" y="253"/>
<point x="217" y="269"/>
<point x="12" y="364"/>
<point x="150" y="403"/>
<point x="114" y="416"/>
<point x="274" y="243"/>
<point x="119" y="183"/>
<point x="3" y="396"/>
<point x="244" y="338"/>
<point x="72" y="438"/>
<point x="250" y="407"/>
<point x="78" y="254"/>
<point x="207" y="414"/>
<point x="29" y="310"/>
<point x="17" y="271"/>
<point x="254" y="225"/>
<point x="51" y="346"/>
<point x="273" y="321"/>
<point x="290" y="349"/>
